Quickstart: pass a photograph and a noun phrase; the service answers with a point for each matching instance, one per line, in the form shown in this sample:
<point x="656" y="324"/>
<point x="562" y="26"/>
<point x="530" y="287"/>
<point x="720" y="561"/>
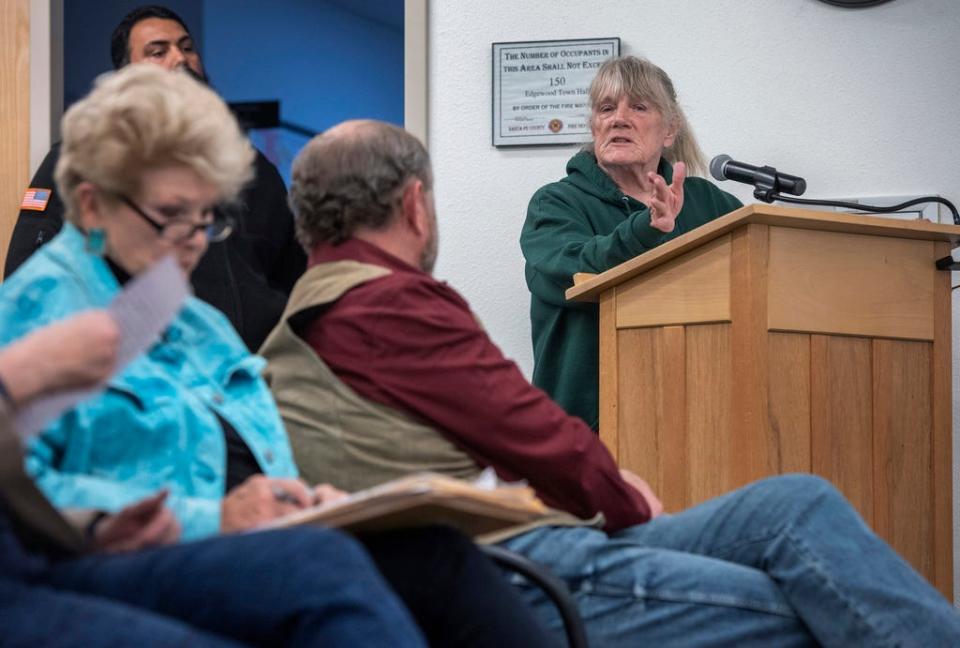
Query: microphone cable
<point x="943" y="263"/>
<point x="871" y="208"/>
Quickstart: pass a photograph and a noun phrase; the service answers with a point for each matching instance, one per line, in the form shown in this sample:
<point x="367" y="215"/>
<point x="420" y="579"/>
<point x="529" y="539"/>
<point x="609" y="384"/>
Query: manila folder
<point x="425" y="499"/>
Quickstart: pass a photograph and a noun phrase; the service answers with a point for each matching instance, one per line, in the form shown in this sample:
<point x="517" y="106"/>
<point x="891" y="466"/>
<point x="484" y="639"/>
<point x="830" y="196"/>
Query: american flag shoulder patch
<point x="36" y="199"/>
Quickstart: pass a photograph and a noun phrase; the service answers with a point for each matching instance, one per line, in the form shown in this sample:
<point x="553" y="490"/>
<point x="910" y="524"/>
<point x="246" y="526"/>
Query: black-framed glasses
<point x="178" y="230"/>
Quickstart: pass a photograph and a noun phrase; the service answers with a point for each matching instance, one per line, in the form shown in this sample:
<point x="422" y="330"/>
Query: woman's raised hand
<point x="667" y="200"/>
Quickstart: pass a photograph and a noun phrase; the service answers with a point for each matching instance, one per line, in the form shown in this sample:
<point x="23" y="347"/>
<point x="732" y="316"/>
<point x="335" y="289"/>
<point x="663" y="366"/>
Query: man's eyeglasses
<point x="178" y="230"/>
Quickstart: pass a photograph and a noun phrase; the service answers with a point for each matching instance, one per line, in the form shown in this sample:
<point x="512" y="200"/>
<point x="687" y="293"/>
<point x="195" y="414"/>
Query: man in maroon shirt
<point x="379" y="368"/>
<point x="411" y="342"/>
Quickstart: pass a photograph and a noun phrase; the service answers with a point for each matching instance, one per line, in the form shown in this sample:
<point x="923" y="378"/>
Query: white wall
<point x="860" y="102"/>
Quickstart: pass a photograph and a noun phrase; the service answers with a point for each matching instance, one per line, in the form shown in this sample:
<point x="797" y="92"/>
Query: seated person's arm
<point x="251" y="504"/>
<point x="81" y="352"/>
<point x="199" y="517"/>
<point x="73" y="353"/>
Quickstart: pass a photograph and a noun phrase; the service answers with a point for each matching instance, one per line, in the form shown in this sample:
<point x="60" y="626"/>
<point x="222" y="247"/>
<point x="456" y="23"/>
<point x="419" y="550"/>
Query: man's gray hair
<point x="353" y="176"/>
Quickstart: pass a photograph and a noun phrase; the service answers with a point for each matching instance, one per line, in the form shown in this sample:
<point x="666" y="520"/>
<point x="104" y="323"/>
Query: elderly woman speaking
<point x="624" y="194"/>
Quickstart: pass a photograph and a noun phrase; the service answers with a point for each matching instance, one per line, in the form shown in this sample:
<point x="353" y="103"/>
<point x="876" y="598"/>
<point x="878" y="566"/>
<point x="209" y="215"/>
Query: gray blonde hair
<point x="353" y="176"/>
<point x="145" y="117"/>
<point x="638" y="78"/>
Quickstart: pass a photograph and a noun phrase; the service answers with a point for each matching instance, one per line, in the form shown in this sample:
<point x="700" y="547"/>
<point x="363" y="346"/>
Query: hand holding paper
<point x="78" y="352"/>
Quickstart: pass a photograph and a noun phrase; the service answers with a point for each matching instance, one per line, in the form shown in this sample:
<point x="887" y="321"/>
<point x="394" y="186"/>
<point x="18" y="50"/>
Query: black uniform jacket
<point x="248" y="277"/>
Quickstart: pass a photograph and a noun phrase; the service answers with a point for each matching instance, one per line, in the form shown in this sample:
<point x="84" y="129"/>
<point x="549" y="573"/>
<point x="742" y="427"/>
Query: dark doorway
<point x="323" y="60"/>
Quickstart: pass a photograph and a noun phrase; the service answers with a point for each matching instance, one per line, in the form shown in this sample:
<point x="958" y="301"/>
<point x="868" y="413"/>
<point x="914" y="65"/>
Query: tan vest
<point x="337" y="435"/>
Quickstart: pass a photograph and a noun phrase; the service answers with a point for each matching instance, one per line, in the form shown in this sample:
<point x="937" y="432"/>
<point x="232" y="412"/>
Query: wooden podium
<point x="776" y="340"/>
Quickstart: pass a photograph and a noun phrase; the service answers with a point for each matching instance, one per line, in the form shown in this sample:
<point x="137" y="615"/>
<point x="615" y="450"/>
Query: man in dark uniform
<point x="249" y="276"/>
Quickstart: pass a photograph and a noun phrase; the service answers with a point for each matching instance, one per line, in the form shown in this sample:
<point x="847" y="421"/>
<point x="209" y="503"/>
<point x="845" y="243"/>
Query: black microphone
<point x="766" y="180"/>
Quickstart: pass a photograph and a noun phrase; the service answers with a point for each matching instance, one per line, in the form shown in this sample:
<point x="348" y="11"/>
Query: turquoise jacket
<point x="584" y="223"/>
<point x="154" y="425"/>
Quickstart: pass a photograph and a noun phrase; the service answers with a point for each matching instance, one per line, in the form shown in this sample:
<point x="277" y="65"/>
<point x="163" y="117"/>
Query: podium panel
<point x="775" y="340"/>
<point x="850" y="284"/>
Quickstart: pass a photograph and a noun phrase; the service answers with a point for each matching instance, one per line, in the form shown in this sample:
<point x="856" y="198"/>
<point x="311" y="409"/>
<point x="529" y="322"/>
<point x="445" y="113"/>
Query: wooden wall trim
<point x="14" y="113"/>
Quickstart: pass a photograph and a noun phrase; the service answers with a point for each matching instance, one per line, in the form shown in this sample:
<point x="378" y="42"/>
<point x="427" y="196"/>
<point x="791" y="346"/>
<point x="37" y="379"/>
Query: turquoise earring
<point x="96" y="242"/>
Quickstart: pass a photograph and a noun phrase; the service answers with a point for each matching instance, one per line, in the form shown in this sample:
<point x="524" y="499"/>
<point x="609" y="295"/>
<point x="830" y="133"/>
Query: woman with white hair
<point x="145" y="158"/>
<point x="625" y="193"/>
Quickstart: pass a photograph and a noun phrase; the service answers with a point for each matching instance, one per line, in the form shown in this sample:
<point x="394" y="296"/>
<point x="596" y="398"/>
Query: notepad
<point x="426" y="499"/>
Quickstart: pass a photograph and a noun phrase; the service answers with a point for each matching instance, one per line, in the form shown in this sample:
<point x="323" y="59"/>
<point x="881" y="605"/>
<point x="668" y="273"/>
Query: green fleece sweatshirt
<point x="584" y="223"/>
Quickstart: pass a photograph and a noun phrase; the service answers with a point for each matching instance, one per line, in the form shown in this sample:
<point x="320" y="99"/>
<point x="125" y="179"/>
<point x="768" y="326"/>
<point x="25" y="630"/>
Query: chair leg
<point x="552" y="586"/>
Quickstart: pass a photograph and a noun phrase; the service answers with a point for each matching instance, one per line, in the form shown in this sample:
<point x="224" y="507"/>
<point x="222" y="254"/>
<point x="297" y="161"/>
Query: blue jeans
<point x="300" y="587"/>
<point x="785" y="561"/>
